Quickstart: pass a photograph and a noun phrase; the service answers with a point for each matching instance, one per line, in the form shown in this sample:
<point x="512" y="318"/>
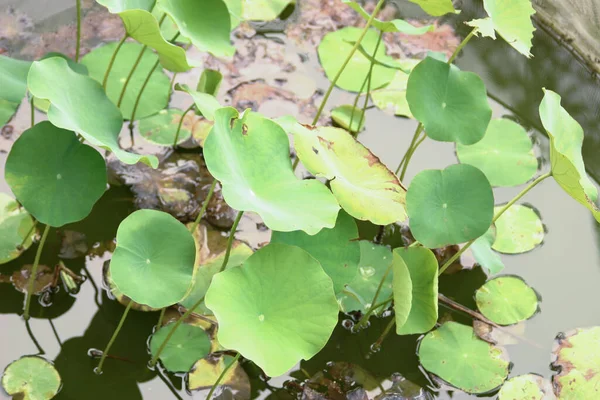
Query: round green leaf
<point x="188" y="344"/>
<point x="396" y="25"/>
<point x="528" y="386"/>
<point x="31" y="378"/>
<point x="374" y="262"/>
<point x="13" y="81"/>
<point x="436" y="8"/>
<point x="348" y="114"/>
<point x="484" y="255"/>
<point x="577" y="357"/>
<point x="116" y="6"/>
<point x="205" y="23"/>
<point x="258" y="174"/>
<point x="161" y="127"/>
<point x="504" y="155"/>
<point x="422" y="268"/>
<point x="78" y="103"/>
<point x="506" y="300"/>
<point x="454" y="353"/>
<point x="16" y="229"/>
<point x="452" y="105"/>
<point x="336" y="249"/>
<point x="335" y="47"/>
<point x="156" y="93"/>
<point x="518" y="230"/>
<point x="153" y="263"/>
<point x="285" y="302"/>
<point x="449" y="206"/>
<point x="54" y="176"/>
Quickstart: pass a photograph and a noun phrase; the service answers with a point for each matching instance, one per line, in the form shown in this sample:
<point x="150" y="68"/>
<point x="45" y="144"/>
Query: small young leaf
<point x="436" y="8"/>
<point x="117" y="6"/>
<point x="396" y="25"/>
<point x="518" y="230"/>
<point x="484" y="255"/>
<point x="16" y="229"/>
<point x="528" y="386"/>
<point x="506" y="300"/>
<point x="188" y="344"/>
<point x="206" y="103"/>
<point x="348" y="114"/>
<point x="13" y="81"/>
<point x="31" y="378"/>
<point x="209" y="82"/>
<point x="451" y="104"/>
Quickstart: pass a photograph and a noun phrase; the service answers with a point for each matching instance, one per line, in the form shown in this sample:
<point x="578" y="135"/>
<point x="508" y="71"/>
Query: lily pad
<point x="518" y="230"/>
<point x="348" y="114"/>
<point x="449" y="206"/>
<point x="577" y="357"/>
<point x="396" y="25"/>
<point x="287" y="308"/>
<point x="161" y="127"/>
<point x="506" y="300"/>
<point x="436" y="8"/>
<point x="54" y="176"/>
<point x="117" y="6"/>
<point x="205" y="373"/>
<point x="393" y="96"/>
<point x="78" y="103"/>
<point x="188" y="344"/>
<point x="16" y="229"/>
<point x="335" y="47"/>
<point x="566" y="139"/>
<point x="207" y="26"/>
<point x="362" y="184"/>
<point x="336" y="249"/>
<point x="505" y="154"/>
<point x="31" y="378"/>
<point x="512" y="20"/>
<point x="454" y="353"/>
<point x="422" y="283"/>
<point x="528" y="386"/>
<point x="374" y="262"/>
<point x="153" y="263"/>
<point x="143" y="27"/>
<point x="13" y="81"/>
<point x="258" y="174"/>
<point x="156" y="92"/>
<point x="451" y="104"/>
<point x="484" y="255"/>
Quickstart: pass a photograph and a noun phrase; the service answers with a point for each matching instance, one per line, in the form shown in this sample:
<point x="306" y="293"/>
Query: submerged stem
<point x="386" y="331"/>
<point x="204" y="206"/>
<point x="78" y="39"/>
<point x="98" y="369"/>
<point x="498" y="215"/>
<point x="112" y="60"/>
<point x="347" y="60"/>
<point x="220" y="378"/>
<point x="34" y="269"/>
<point x="190" y="108"/>
<point x="133" y="68"/>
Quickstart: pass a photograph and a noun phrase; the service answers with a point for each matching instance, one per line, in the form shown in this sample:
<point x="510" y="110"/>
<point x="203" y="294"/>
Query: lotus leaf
<point x="13" y="81"/>
<point x="518" y="230"/>
<point x="484" y="255"/>
<point x="506" y="300"/>
<point x="117" y="6"/>
<point x="209" y="82"/>
<point x="16" y="229"/>
<point x="188" y="344"/>
<point x="206" y="103"/>
<point x="393" y="96"/>
<point x="436" y="8"/>
<point x="528" y="386"/>
<point x="161" y="127"/>
<point x="31" y="378"/>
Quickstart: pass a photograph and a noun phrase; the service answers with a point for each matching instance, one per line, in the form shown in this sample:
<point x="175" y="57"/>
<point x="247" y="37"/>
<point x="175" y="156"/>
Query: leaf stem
<point x="347" y="60"/>
<point x="498" y="215"/>
<point x="461" y="45"/>
<point x="204" y="206"/>
<point x="230" y="240"/>
<point x="112" y="60"/>
<point x="133" y="68"/>
<point x="32" y="111"/>
<point x="78" y="39"/>
<point x="139" y="97"/>
<point x="409" y="156"/>
<point x="365" y="318"/>
<point x="161" y="317"/>
<point x="190" y="108"/>
<point x="364" y="109"/>
<point x="356" y="100"/>
<point x="220" y="378"/>
<point x="98" y="369"/>
<point x="34" y="269"/>
<point x="386" y="331"/>
<point x="410" y="146"/>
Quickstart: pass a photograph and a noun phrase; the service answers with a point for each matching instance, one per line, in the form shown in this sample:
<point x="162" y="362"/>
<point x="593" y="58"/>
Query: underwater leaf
<point x="143" y="27"/>
<point x="31" y="378"/>
<point x="161" y="127"/>
<point x="156" y="93"/>
<point x="451" y="104"/>
<point x="505" y="154"/>
<point x="362" y="184"/>
<point x="206" y="103"/>
<point x="153" y="263"/>
<point x="13" y="81"/>
<point x="206" y="23"/>
<point x="335" y="47"/>
<point x="506" y="300"/>
<point x="484" y="255"/>
<point x="393" y="96"/>
<point x="454" y="353"/>
<point x="258" y="174"/>
<point x="577" y="358"/>
<point x="205" y="373"/>
<point x="336" y="249"/>
<point x="287" y="307"/>
<point x="16" y="229"/>
<point x="117" y="6"/>
<point x="396" y="25"/>
<point x="518" y="230"/>
<point x="436" y="8"/>
<point x="188" y="344"/>
<point x="347" y="114"/>
<point x="528" y="386"/>
<point x="566" y="139"/>
<point x="449" y="206"/>
<point x="209" y="82"/>
<point x="54" y="176"/>
<point x="422" y="267"/>
<point x="374" y="262"/>
<point x="78" y="103"/>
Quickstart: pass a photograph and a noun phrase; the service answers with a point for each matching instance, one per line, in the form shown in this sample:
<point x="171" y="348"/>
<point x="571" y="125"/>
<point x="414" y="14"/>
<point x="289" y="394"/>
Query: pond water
<point x="564" y="270"/>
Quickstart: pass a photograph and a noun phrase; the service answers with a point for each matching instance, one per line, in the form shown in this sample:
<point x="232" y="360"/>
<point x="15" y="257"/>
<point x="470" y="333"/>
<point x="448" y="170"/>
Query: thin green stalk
<point x="357" y="98"/>
<point x="220" y="378"/>
<point x="34" y="269"/>
<point x="161" y="317"/>
<point x="409" y="156"/>
<point x="461" y="45"/>
<point x="78" y="42"/>
<point x="410" y="146"/>
<point x="365" y="317"/>
<point x="112" y="60"/>
<point x="347" y="60"/>
<point x="138" y="98"/>
<point x="190" y="108"/>
<point x="204" y="206"/>
<point x="190" y="310"/>
<point x="133" y="68"/>
<point x="98" y="369"/>
<point x="498" y="215"/>
<point x="364" y="109"/>
<point x="386" y="331"/>
<point x="32" y="111"/>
